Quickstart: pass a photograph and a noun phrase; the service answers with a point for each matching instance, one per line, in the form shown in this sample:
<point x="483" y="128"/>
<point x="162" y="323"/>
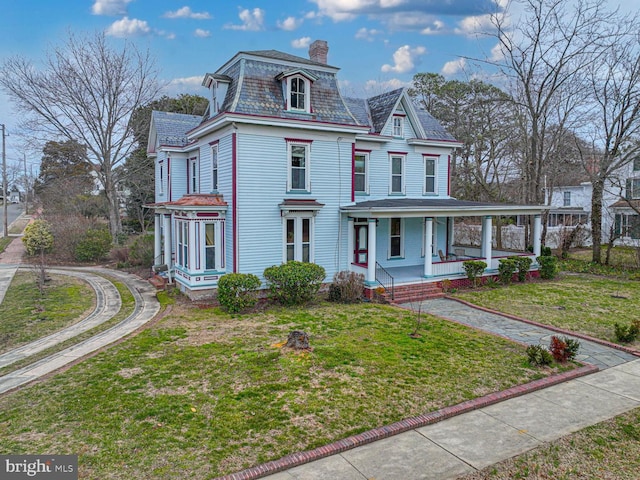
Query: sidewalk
<point x="10" y="259"/>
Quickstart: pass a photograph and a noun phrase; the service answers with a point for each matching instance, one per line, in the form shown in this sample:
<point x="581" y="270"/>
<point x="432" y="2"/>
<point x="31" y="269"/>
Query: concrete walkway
<point x="108" y="303"/>
<point x="472" y="441"/>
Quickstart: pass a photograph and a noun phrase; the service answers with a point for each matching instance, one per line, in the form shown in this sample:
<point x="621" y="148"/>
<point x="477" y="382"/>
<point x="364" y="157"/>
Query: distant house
<point x="626" y="207"/>
<point x="283" y="167"/>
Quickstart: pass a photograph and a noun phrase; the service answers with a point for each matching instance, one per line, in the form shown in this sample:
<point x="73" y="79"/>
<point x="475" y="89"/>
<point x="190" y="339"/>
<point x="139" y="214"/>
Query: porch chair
<point x="443" y="257"/>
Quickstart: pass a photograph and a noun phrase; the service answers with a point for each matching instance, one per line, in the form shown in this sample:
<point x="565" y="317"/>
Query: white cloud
<point x="184" y="85"/>
<point x="435" y="28"/>
<point x="454" y="67"/>
<point x="367" y="34"/>
<point x="471" y="26"/>
<point x="110" y="7"/>
<point x="127" y="27"/>
<point x="303" y="42"/>
<point x="405" y="59"/>
<point x="377" y="87"/>
<point x="290" y="24"/>
<point x="252" y="20"/>
<point x="199" y="32"/>
<point x="186" y="12"/>
<point x="496" y="53"/>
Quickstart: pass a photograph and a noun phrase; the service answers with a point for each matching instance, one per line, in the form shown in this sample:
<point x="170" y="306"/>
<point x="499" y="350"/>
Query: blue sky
<point x="377" y="44"/>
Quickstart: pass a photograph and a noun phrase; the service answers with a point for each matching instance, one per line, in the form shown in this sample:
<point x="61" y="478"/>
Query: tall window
<point x="395" y="237"/>
<point x="209" y="246"/>
<point x="193" y="175"/>
<point x="299" y="167"/>
<point x="398" y="126"/>
<point x="214" y="167"/>
<point x="397" y="174"/>
<point x="566" y="199"/>
<point x="298" y="238"/>
<point x="298" y="94"/>
<point x="361" y="160"/>
<point x="636" y="164"/>
<point x="161" y="182"/>
<point x="183" y="243"/>
<point x="429" y="175"/>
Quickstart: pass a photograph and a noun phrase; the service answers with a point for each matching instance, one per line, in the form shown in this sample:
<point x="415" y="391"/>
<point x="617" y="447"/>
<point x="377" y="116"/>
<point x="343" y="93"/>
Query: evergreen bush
<point x="94" y="245"/>
<point x="238" y="291"/>
<point x="294" y="283"/>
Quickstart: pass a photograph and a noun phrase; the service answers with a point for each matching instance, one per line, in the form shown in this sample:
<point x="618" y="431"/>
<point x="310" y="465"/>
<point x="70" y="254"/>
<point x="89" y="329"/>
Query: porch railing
<point x="384" y="278"/>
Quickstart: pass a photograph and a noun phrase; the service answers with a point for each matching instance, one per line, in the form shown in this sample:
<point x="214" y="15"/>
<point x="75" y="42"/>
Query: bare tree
<point x="87" y="92"/>
<point x="613" y="123"/>
<point x="544" y="60"/>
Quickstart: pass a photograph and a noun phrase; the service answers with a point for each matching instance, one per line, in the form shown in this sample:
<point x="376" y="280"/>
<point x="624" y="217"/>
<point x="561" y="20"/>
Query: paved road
<point x="13" y="211"/>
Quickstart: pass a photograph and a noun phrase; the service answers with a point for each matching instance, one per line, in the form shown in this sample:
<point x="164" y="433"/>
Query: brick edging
<point x="379" y="433"/>
<point x="582" y="336"/>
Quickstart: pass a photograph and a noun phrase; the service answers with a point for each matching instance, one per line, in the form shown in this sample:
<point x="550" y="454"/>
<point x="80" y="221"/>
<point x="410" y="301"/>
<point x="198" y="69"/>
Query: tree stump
<point x="298" y="340"/>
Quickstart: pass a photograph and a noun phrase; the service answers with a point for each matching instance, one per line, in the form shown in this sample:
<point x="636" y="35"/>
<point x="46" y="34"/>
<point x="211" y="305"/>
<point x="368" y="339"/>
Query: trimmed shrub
<point x="545" y="251"/>
<point x="347" y="287"/>
<point x="94" y="245"/>
<point x="522" y="264"/>
<point x="294" y="283"/>
<point x="627" y="333"/>
<point x="474" y="268"/>
<point x="37" y="237"/>
<point x="563" y="349"/>
<point x="539" y="356"/>
<point x="238" y="291"/>
<point x="506" y="269"/>
<point x="548" y="267"/>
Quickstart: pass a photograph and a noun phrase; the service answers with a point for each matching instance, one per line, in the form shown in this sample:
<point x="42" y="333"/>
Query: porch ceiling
<point x="435" y="207"/>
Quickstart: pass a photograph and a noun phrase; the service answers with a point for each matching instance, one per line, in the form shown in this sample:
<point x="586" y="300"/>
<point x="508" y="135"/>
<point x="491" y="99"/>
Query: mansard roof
<point x="171" y="128"/>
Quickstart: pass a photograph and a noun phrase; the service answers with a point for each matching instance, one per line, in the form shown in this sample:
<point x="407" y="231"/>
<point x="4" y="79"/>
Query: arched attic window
<point x="297" y="90"/>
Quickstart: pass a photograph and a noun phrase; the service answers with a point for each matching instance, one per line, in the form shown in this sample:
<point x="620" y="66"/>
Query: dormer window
<point x="296" y="89"/>
<point x="398" y="126"/>
<point x="298" y="94"/>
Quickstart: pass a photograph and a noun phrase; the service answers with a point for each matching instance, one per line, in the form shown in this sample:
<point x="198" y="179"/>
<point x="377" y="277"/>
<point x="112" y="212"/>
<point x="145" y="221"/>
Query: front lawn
<point x="203" y="393"/>
<point x="580" y="303"/>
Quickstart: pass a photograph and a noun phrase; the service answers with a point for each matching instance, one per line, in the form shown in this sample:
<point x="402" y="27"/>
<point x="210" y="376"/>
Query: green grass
<point x="203" y="393"/>
<point x="4" y="243"/>
<point x="609" y="449"/>
<point x="580" y="303"/>
<point x="26" y="316"/>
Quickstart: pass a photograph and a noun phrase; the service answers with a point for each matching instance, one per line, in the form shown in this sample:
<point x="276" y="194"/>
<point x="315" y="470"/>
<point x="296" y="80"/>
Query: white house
<point x="283" y="167"/>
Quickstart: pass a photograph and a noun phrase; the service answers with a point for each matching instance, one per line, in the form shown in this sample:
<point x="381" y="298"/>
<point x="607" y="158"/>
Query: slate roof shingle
<point x="171" y="128"/>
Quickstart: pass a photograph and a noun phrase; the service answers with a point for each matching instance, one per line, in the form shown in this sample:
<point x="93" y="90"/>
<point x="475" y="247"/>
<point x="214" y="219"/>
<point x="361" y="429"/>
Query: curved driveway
<point x="107" y="306"/>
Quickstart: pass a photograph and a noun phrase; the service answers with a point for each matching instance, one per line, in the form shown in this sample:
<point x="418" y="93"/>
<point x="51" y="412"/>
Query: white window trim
<point x="298" y="216"/>
<point x="400" y="126"/>
<point x="307" y="94"/>
<point x="215" y="168"/>
<point x="428" y="158"/>
<point x="218" y="237"/>
<point x="402" y="175"/>
<point x="194" y="178"/>
<point x="307" y="166"/>
<point x="389" y="257"/>
<point x="366" y="173"/>
<point x="182" y="244"/>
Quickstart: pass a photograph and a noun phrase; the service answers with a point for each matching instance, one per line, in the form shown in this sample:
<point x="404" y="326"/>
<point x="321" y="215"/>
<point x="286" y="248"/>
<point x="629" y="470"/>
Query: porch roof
<point x="435" y="207"/>
<point x="194" y="201"/>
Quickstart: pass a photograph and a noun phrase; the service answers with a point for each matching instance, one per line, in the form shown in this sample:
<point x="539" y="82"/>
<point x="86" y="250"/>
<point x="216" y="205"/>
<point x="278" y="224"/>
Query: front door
<point x="361" y="250"/>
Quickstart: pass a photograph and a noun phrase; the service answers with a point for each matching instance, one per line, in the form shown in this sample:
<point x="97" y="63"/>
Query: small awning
<point x="299" y="205"/>
<point x="435" y="207"/>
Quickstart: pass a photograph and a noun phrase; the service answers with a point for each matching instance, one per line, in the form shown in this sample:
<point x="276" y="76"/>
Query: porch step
<point x="157" y="281"/>
<point x="414" y="293"/>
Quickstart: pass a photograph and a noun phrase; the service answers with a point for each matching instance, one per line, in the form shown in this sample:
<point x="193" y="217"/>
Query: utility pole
<point x="26" y="185"/>
<point x="4" y="185"/>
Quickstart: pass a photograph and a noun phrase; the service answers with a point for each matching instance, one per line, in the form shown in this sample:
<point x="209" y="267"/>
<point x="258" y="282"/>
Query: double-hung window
<point x="398" y="126"/>
<point x="193" y="175"/>
<point x="161" y="179"/>
<point x="182" y="228"/>
<point x="298" y="94"/>
<point x="396" y="183"/>
<point x="214" y="167"/>
<point x="213" y="242"/>
<point x="566" y="199"/>
<point x="298" y="237"/>
<point x="361" y="161"/>
<point x="299" y="172"/>
<point x="429" y="175"/>
<point x="395" y="238"/>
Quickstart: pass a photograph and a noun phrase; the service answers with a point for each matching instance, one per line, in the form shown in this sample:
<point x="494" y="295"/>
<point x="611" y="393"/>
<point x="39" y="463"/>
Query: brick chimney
<point x="318" y="51"/>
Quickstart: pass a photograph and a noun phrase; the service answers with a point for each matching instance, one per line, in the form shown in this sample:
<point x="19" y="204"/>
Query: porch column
<point x="450" y="236"/>
<point x="487" y="234"/>
<point x="351" y="246"/>
<point x="167" y="241"/>
<point x="371" y="254"/>
<point x="157" y="239"/>
<point x="193" y="246"/>
<point x="537" y="235"/>
<point x="428" y="247"/>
